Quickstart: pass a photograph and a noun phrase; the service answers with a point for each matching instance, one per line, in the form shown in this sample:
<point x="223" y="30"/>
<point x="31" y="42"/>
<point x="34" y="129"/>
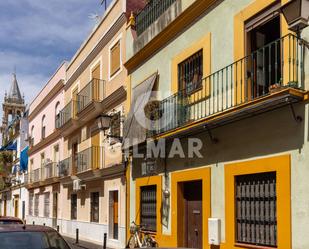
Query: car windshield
<point x="32" y="240"/>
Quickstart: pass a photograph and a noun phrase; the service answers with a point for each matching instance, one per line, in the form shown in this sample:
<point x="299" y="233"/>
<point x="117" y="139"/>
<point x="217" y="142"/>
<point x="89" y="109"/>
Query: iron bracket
<point x="213" y="139"/>
<point x="297" y="118"/>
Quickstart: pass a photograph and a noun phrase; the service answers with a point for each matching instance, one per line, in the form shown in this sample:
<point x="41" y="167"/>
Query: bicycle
<point x="140" y="238"/>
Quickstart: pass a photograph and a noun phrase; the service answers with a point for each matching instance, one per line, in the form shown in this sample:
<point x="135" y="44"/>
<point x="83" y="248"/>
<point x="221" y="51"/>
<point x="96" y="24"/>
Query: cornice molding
<point x="97" y="49"/>
<point x="56" y="89"/>
<point x="43" y="143"/>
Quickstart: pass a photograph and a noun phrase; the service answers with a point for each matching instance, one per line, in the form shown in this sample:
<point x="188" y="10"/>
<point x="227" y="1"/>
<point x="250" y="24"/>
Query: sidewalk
<point x="82" y="244"/>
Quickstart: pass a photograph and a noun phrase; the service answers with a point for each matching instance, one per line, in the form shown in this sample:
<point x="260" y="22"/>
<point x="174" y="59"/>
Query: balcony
<point x="92" y="92"/>
<point x="271" y="77"/>
<point x="66" y="119"/>
<point x="89" y="159"/>
<point x="65" y="167"/>
<point x="89" y="100"/>
<point x="153" y="18"/>
<point x="36" y="176"/>
<point x="50" y="170"/>
<point x="150" y="13"/>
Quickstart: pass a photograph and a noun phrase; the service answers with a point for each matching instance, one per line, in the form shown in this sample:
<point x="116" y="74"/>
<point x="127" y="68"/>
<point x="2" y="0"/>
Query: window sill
<point x="251" y="246"/>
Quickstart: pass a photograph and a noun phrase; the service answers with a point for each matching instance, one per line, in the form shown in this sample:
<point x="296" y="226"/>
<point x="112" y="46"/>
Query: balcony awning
<point x="134" y="132"/>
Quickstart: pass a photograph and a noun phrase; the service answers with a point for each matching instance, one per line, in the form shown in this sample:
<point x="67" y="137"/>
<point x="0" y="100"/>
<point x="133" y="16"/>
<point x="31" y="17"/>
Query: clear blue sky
<point x="37" y="35"/>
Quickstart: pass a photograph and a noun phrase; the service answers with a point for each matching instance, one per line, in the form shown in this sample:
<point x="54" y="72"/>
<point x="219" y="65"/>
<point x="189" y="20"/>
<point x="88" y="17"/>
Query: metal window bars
<point x="256" y="209"/>
<point x="149" y="207"/>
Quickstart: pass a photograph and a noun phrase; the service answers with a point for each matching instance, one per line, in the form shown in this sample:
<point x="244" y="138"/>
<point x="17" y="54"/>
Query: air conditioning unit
<point x="77" y="185"/>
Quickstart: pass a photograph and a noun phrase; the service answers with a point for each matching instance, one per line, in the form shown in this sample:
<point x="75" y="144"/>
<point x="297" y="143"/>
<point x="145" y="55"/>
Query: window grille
<point x="36" y="204"/>
<point x="46" y="204"/>
<point x="73" y="206"/>
<point x="190" y="73"/>
<point x="149" y="207"/>
<point x="31" y="195"/>
<point x="94" y="215"/>
<point x="256" y="209"/>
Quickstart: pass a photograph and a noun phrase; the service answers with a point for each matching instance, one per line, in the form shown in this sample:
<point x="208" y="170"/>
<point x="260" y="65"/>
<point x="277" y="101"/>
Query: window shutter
<point x="115" y="58"/>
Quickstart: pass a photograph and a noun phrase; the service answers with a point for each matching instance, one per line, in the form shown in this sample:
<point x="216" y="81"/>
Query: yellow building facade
<point x="228" y="78"/>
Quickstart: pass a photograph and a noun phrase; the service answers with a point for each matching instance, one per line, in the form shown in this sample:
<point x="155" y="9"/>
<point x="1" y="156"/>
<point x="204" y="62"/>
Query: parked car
<point x="30" y="237"/>
<point x="10" y="220"/>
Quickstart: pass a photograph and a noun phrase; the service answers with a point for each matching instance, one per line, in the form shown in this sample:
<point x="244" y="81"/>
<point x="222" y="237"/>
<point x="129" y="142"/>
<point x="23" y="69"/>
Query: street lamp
<point x="296" y="14"/>
<point x="104" y="122"/>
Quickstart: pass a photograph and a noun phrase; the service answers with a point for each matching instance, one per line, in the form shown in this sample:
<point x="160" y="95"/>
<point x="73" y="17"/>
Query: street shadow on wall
<point x="263" y="135"/>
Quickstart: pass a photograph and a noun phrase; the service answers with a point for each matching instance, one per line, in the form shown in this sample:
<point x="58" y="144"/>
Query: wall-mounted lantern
<point x="296" y="14"/>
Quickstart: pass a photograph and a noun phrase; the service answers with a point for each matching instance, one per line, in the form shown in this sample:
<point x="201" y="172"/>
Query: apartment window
<point x="43" y="131"/>
<point x="56" y="154"/>
<point x="256" y="206"/>
<point x="73" y="206"/>
<point x="115" y="59"/>
<point x="149" y="207"/>
<point x="31" y="203"/>
<point x="42" y="159"/>
<point x="94" y="215"/>
<point x="31" y="141"/>
<point x="36" y="204"/>
<point x="84" y="133"/>
<point x="46" y="204"/>
<point x="190" y="73"/>
<point x="115" y="130"/>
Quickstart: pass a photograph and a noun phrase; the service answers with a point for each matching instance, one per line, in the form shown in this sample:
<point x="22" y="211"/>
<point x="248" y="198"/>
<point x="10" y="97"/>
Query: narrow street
<point x="82" y="244"/>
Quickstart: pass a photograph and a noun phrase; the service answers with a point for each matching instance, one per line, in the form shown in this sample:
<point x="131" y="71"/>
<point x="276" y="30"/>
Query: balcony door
<point x="75" y="102"/>
<point x="96" y="85"/>
<point x="95" y="149"/>
<point x="16" y="206"/>
<point x="263" y="47"/>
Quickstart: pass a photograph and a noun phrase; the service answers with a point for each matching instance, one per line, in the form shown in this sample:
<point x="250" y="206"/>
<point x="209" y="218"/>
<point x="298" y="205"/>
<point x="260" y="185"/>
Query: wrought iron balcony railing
<point x="27" y="179"/>
<point x="66" y="114"/>
<point x="273" y="67"/>
<point x="36" y="175"/>
<point x="65" y="167"/>
<point x="89" y="159"/>
<point x="150" y="13"/>
<point x="50" y="170"/>
<point x="92" y="92"/>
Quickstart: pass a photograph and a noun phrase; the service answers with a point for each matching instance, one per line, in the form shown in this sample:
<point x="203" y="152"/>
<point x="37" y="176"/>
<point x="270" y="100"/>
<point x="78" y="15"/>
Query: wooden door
<point x="4" y="207"/>
<point x="16" y="206"/>
<point x="115" y="207"/>
<point x="96" y="151"/>
<point x="194" y="214"/>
